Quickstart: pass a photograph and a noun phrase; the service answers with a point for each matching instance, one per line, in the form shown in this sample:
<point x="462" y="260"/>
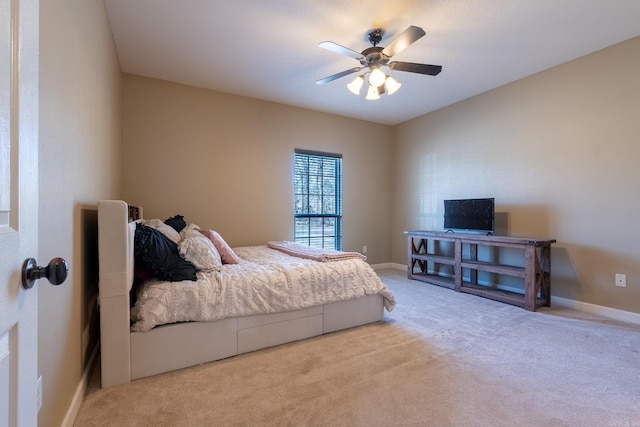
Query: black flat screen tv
<point x="469" y="214"/>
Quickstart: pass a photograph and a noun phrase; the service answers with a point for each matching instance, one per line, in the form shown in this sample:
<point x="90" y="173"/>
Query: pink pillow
<point x="226" y="253"/>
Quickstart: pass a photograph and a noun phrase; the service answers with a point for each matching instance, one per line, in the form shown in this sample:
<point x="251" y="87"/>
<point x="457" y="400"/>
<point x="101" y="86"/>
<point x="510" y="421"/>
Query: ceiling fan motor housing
<point x="373" y="56"/>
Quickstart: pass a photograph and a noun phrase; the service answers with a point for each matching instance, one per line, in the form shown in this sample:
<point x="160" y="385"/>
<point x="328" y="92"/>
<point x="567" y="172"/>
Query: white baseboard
<point x="78" y="396"/>
<point x="392" y="265"/>
<point x="609" y="313"/>
<point x="600" y="310"/>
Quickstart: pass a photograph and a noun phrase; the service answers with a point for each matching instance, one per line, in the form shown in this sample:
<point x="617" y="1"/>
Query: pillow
<point x="227" y="254"/>
<point x="201" y="252"/>
<point x="190" y="230"/>
<point x="163" y="228"/>
<point x="176" y="222"/>
<point x="157" y="252"/>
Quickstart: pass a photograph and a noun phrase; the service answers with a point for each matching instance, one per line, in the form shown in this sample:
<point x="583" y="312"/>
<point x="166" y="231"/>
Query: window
<point x="317" y="194"/>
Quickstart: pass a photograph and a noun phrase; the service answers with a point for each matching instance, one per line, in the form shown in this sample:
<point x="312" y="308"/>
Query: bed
<point x="133" y="349"/>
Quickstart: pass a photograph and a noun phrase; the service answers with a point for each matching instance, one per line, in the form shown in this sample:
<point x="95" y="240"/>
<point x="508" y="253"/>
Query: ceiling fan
<point x="373" y="58"/>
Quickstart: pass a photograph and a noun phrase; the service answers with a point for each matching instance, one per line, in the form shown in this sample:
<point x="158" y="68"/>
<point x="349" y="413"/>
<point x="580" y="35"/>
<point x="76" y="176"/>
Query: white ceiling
<point x="268" y="49"/>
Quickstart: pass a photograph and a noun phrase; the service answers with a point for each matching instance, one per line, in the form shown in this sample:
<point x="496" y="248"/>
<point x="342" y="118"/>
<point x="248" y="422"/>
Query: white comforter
<point x="264" y="281"/>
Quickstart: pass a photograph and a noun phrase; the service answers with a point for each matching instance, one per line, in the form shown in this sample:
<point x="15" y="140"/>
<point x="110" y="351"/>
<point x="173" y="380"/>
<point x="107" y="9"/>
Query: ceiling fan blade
<point x="338" y="75"/>
<point x="403" y="40"/>
<point x="432" y="70"/>
<point x="334" y="47"/>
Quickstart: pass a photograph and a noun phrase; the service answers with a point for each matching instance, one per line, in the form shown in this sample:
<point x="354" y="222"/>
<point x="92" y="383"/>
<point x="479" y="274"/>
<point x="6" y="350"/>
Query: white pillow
<point x="165" y="229"/>
<point x="199" y="250"/>
<point x="190" y="230"/>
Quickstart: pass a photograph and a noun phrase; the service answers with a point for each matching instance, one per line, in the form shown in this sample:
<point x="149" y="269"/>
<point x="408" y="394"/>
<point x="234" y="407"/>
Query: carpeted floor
<point x="441" y="358"/>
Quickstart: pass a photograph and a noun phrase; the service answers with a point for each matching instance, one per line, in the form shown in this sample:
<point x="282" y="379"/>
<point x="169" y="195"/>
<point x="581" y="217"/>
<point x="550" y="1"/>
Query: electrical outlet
<point x="39" y="392"/>
<point x="364" y="249"/>
<point x="621" y="280"/>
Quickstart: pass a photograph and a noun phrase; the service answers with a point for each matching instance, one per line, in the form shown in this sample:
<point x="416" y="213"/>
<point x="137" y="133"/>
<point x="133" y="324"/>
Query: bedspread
<point x="264" y="281"/>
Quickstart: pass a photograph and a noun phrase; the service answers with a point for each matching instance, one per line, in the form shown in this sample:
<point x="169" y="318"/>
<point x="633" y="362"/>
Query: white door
<point x="18" y="210"/>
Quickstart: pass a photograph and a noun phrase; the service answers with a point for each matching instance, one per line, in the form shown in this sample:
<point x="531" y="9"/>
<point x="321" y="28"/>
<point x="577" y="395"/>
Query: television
<point x="469" y="214"/>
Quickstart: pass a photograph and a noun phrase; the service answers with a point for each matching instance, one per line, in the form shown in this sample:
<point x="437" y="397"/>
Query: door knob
<point x="55" y="272"/>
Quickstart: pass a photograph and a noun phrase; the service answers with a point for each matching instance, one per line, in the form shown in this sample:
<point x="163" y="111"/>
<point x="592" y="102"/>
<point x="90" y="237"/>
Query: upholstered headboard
<point x="115" y="253"/>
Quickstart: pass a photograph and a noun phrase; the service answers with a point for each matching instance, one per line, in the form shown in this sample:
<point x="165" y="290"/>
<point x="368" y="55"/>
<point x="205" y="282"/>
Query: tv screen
<point x="469" y="214"/>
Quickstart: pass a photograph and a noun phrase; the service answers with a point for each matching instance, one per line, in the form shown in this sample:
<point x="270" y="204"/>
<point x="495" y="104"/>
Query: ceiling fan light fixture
<point x="391" y="85"/>
<point x="356" y="85"/>
<point x="377" y="77"/>
<point x="374" y="92"/>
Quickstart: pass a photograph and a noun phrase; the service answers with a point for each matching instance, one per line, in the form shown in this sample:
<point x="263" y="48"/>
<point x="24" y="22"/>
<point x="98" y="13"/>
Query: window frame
<point x="309" y="238"/>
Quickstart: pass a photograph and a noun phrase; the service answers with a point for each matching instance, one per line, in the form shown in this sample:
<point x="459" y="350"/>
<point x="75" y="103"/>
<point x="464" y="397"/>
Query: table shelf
<point x="491" y="267"/>
<point x="424" y="260"/>
<point x="435" y="279"/>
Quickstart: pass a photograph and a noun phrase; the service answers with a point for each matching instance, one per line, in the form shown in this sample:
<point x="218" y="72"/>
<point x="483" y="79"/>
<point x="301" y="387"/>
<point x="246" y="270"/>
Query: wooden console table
<point x="424" y="262"/>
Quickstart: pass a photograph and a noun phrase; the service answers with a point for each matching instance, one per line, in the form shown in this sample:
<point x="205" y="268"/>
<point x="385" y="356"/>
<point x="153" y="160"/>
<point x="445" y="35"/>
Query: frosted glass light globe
<point x="377" y="77"/>
<point x="356" y="85"/>
<point x="372" y="94"/>
<point x="391" y="85"/>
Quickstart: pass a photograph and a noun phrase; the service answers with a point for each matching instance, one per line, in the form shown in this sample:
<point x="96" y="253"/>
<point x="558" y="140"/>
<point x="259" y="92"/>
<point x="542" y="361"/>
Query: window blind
<point x="317" y="183"/>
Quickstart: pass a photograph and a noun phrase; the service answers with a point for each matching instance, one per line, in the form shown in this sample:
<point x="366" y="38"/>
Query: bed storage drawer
<point x="350" y="313"/>
<point x="170" y="347"/>
<point x="256" y="332"/>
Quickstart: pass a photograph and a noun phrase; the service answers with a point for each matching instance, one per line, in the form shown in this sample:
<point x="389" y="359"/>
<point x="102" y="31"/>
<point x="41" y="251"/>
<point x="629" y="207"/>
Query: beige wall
<point x="559" y="152"/>
<point x="224" y="162"/>
<point x="80" y="98"/>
